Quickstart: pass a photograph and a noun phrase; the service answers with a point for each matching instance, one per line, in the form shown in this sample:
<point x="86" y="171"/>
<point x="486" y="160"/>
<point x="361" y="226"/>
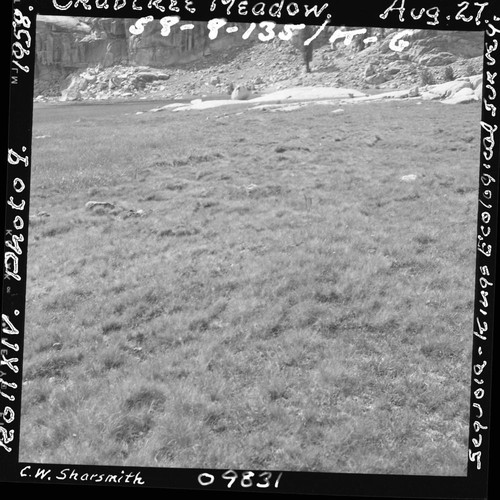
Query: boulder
<point x="89" y="77"/>
<point x="369" y="70"/>
<point x="101" y="204"/>
<point x="409" y="178"/>
<point x="392" y="70"/>
<point x="147" y="76"/>
<point x="414" y="92"/>
<point x="241" y="93"/>
<point x="376" y="79"/>
<point x="71" y="90"/>
<point x="440" y="59"/>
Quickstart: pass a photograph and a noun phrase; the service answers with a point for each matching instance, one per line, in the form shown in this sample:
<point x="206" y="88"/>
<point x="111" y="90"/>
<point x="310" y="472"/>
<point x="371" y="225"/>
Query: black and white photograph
<point x="251" y="246"/>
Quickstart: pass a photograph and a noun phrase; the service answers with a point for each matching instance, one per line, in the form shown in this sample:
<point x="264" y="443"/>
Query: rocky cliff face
<point x="66" y="44"/>
<point x="94" y="48"/>
<point x="79" y="42"/>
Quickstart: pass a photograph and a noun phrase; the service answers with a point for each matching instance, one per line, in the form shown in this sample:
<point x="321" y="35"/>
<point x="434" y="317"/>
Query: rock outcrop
<point x="459" y="91"/>
<point x="91" y="58"/>
<point x="68" y="44"/>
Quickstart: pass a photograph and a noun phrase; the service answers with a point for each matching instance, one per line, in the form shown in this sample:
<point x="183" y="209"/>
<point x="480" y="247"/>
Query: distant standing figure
<point x="307" y="50"/>
<point x="206" y="39"/>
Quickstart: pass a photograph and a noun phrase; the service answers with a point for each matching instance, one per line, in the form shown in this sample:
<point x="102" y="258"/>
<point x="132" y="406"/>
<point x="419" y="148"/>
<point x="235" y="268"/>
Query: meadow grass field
<point x="262" y="290"/>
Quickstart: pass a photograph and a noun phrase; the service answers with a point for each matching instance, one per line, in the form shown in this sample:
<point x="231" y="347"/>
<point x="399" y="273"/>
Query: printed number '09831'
<point x="246" y="479"/>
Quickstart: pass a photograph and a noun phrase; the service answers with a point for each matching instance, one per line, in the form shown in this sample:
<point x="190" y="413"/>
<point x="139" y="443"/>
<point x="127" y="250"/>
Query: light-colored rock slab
<point x="449" y="89"/>
<point x="330" y="95"/>
<point x="463" y="96"/>
<point x="309" y="93"/>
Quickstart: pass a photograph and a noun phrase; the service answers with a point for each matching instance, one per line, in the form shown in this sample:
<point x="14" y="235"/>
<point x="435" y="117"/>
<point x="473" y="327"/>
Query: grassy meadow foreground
<point x="262" y="291"/>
